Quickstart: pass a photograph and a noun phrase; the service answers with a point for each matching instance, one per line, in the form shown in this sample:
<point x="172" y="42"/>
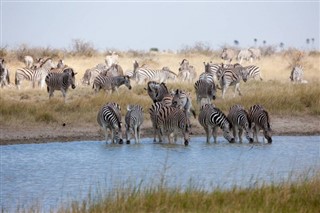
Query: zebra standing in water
<point x="232" y="76"/>
<point x="253" y="72"/>
<point x="171" y="121"/>
<point x="133" y="119"/>
<point x="239" y="118"/>
<point x="109" y="118"/>
<point x="211" y="118"/>
<point x="37" y="75"/>
<point x="60" y="81"/>
<point x="110" y="83"/>
<point x="153" y="111"/>
<point x="260" y="119"/>
<point x="144" y="74"/>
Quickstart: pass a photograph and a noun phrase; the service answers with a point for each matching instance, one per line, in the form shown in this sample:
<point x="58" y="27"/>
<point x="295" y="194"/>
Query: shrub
<point x="82" y="48"/>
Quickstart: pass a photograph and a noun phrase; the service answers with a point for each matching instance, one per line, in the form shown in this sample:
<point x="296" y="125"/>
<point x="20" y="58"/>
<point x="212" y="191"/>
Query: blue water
<point x="53" y="173"/>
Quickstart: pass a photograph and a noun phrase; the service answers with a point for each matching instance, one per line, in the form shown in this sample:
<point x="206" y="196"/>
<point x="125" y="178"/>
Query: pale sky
<point x="140" y="25"/>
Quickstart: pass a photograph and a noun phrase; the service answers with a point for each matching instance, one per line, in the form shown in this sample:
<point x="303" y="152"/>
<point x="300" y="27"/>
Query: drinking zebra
<point x="232" y="76"/>
<point x="240" y="121"/>
<point x="133" y="119"/>
<point x="110" y="83"/>
<point x="253" y="72"/>
<point x="211" y="118"/>
<point x="37" y="75"/>
<point x="4" y="74"/>
<point x="109" y="118"/>
<point x="171" y="121"/>
<point x="261" y="121"/>
<point x="60" y="81"/>
<point x="144" y="74"/>
<point x="205" y="90"/>
<point x="296" y="75"/>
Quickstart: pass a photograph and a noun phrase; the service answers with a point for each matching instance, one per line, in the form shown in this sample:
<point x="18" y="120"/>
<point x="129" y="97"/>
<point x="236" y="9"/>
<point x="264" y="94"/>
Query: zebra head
<point x="71" y="77"/>
<point x="127" y="81"/>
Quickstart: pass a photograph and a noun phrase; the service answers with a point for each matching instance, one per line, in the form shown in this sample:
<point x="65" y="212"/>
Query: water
<point x="53" y="173"/>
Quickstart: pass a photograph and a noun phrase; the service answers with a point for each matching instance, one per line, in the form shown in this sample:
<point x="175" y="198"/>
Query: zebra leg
<point x="224" y="89"/>
<point x="235" y="132"/>
<point x="255" y="134"/>
<point x="237" y="88"/>
<point x="207" y="134"/>
<point x="128" y="134"/>
<point x="240" y="134"/>
<point x="136" y="134"/>
<point x="214" y="133"/>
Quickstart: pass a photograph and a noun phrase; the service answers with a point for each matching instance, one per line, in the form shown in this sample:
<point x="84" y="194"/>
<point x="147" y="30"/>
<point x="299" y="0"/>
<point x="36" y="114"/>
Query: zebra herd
<point x="170" y="115"/>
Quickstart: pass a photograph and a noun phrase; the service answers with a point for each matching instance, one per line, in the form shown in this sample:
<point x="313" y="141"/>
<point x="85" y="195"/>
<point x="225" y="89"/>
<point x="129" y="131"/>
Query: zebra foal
<point x="109" y="119"/>
<point x="60" y="81"/>
<point x="211" y="118"/>
<point x="110" y="83"/>
<point x="240" y="121"/>
<point x="134" y="119"/>
<point x="261" y="121"/>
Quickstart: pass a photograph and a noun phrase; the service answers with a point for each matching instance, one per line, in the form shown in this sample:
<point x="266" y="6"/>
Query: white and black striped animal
<point x="109" y="119"/>
<point x="111" y="59"/>
<point x="186" y="72"/>
<point x="296" y="75"/>
<point x="256" y="53"/>
<point x="113" y="71"/>
<point x="182" y="100"/>
<point x="90" y="74"/>
<point x="37" y="75"/>
<point x="60" y="81"/>
<point x="205" y="90"/>
<point x="239" y="118"/>
<point x="232" y="76"/>
<point x="227" y="55"/>
<point x="211" y="118"/>
<point x="245" y="54"/>
<point x="134" y="120"/>
<point x="153" y="112"/>
<point x="28" y="61"/>
<point x="172" y="121"/>
<point x="4" y="74"/>
<point x="253" y="72"/>
<point x="157" y="91"/>
<point x="144" y="74"/>
<point x="261" y="121"/>
<point x="110" y="83"/>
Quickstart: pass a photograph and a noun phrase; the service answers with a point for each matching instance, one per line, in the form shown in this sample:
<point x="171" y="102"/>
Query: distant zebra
<point x="171" y="121"/>
<point x="256" y="53"/>
<point x="239" y="118"/>
<point x="205" y="90"/>
<point x="110" y="83"/>
<point x="60" y="81"/>
<point x="296" y="75"/>
<point x="260" y="119"/>
<point x="90" y="74"/>
<point x="211" y="118"/>
<point x="133" y="119"/>
<point x="28" y="61"/>
<point x="253" y="72"/>
<point x="186" y="71"/>
<point x="232" y="76"/>
<point x="245" y="55"/>
<point x="144" y="74"/>
<point x="109" y="118"/>
<point x="4" y="74"/>
<point x="182" y="100"/>
<point x="112" y="58"/>
<point x="37" y="75"/>
<point x="227" y="55"/>
<point x="113" y="71"/>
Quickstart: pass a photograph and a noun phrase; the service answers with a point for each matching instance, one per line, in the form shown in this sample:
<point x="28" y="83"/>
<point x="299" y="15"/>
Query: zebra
<point x="28" y="61"/>
<point x="232" y="76"/>
<point x="245" y="54"/>
<point x="211" y="118"/>
<point x="227" y="55"/>
<point x="37" y="75"/>
<point x="113" y="71"/>
<point x="111" y="59"/>
<point x="255" y="52"/>
<point x="260" y="119"/>
<point x="110" y="83"/>
<point x="60" y="81"/>
<point x="239" y="118"/>
<point x="109" y="118"/>
<point x="171" y="121"/>
<point x="144" y="74"/>
<point x="153" y="112"/>
<point x="134" y="119"/>
<point x="297" y="74"/>
<point x="157" y="91"/>
<point x="253" y="72"/>
<point x="186" y="72"/>
<point x="205" y="89"/>
<point x="4" y="74"/>
<point x="90" y="74"/>
<point x="182" y="100"/>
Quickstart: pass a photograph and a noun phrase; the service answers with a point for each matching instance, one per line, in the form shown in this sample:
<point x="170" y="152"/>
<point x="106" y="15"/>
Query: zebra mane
<point x="45" y="61"/>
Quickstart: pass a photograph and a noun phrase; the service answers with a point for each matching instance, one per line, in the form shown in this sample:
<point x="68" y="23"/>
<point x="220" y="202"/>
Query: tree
<point x="236" y="42"/>
<point x="264" y="42"/>
<point x="281" y="45"/>
<point x="255" y="41"/>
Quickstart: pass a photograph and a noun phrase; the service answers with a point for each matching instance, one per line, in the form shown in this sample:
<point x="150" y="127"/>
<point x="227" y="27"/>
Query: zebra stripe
<point x="232" y="76"/>
<point x="186" y="72"/>
<point x="182" y="100"/>
<point x="110" y="83"/>
<point x="171" y="121"/>
<point x="134" y="119"/>
<point x="239" y="118"/>
<point x="37" y="75"/>
<point x="205" y="89"/>
<point x="157" y="91"/>
<point x="253" y="72"/>
<point x="109" y="118"/>
<point x="260" y="119"/>
<point x="60" y="81"/>
<point x="297" y="74"/>
<point x="153" y="111"/>
<point x="4" y="74"/>
<point x="227" y="55"/>
<point x="211" y="118"/>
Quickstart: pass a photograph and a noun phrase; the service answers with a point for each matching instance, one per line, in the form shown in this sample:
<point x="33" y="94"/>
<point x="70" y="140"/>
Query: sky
<point x="166" y="25"/>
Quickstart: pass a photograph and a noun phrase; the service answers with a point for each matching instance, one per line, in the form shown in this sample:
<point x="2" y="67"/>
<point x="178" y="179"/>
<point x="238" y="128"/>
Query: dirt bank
<point x="21" y="134"/>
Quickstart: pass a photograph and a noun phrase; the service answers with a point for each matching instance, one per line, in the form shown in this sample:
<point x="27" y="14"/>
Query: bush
<point x="82" y="48"/>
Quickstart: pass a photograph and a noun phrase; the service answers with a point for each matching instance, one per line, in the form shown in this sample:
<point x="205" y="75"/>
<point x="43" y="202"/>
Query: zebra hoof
<point x="128" y="141"/>
<point x="250" y="140"/>
<point x="232" y="140"/>
<point x="186" y="142"/>
<point x="120" y="141"/>
<point x="269" y="140"/>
